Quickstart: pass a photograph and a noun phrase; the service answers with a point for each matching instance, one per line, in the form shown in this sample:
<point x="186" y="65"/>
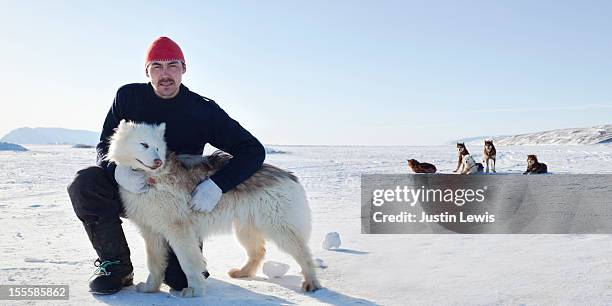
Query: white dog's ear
<point x="124" y="125"/>
<point x="161" y="129"/>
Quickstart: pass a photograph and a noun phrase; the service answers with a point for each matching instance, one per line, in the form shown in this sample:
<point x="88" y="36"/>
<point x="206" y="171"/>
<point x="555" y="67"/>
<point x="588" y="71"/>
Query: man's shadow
<point x="217" y="293"/>
<point x="223" y="293"/>
<point x="220" y="292"/>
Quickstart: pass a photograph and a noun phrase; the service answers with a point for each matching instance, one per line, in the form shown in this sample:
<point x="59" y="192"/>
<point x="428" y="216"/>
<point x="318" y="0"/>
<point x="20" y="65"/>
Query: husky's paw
<point x="238" y="273"/>
<point x="311" y="286"/>
<point x="192" y="292"/>
<point x="144" y="287"/>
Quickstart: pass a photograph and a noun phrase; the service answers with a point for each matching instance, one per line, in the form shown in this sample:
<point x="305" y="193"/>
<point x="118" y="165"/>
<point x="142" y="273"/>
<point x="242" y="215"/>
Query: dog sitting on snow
<point x="270" y="205"/>
<point x="461" y="151"/>
<point x="466" y="165"/>
<point x="469" y="165"/>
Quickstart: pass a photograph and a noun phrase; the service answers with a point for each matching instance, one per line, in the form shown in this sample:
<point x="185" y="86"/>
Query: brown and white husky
<point x="461" y="150"/>
<point x="270" y="205"/>
<point x="489" y="154"/>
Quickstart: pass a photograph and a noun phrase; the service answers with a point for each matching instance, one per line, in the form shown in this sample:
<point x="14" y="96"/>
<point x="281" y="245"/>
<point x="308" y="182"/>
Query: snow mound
<point x="6" y="146"/>
<point x="331" y="241"/>
<point x="275" y="269"/>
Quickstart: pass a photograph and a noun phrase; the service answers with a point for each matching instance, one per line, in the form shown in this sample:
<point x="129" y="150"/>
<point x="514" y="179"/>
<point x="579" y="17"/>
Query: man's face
<point x="165" y="76"/>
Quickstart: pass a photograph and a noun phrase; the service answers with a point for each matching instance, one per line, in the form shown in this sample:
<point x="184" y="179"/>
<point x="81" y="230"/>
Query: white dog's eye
<point x="146" y="146"/>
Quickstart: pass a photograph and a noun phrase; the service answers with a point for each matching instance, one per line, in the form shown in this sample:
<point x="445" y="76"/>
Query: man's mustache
<point x="165" y="80"/>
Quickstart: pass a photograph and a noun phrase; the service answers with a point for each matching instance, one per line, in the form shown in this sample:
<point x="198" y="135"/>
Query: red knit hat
<point x="164" y="49"/>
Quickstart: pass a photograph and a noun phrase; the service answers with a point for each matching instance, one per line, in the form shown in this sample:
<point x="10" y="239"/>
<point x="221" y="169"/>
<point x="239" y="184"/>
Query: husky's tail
<point x="218" y="159"/>
<point x="214" y="161"/>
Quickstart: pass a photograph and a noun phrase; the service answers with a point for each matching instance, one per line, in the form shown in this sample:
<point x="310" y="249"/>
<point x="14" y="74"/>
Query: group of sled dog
<point x="467" y="165"/>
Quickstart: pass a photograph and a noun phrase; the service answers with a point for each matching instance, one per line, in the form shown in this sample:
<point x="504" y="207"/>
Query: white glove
<point x="133" y="181"/>
<point x="206" y="196"/>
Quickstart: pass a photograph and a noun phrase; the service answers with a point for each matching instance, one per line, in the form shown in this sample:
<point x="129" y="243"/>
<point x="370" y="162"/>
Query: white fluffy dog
<point x="270" y="205"/>
<point x="469" y="165"/>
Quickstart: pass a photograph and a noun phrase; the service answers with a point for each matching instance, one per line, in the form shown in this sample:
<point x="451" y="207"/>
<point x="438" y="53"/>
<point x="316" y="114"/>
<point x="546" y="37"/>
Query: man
<point x="192" y="121"/>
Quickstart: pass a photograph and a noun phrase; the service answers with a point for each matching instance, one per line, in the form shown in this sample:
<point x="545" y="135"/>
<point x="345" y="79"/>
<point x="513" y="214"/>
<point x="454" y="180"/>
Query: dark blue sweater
<point x="192" y="121"/>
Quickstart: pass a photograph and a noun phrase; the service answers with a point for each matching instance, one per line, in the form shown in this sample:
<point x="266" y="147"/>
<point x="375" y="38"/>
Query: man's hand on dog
<point x="131" y="180"/>
<point x="206" y="196"/>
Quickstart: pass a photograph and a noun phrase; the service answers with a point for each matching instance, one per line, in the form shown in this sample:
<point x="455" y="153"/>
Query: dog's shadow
<point x="218" y="292"/>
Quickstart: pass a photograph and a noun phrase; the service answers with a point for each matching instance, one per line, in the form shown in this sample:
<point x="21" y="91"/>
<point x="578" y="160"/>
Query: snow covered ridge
<point x="44" y="136"/>
<point x="6" y="146"/>
<point x="592" y="135"/>
<point x="601" y="134"/>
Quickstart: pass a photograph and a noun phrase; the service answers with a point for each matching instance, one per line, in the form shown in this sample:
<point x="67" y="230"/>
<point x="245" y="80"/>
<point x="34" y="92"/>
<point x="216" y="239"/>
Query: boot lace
<point x="102" y="265"/>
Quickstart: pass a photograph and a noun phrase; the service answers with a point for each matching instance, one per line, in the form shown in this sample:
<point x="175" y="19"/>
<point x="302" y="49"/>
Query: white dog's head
<point x="138" y="145"/>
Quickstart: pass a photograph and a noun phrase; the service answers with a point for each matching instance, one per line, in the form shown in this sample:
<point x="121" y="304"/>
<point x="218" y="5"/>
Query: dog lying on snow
<point x="270" y="205"/>
<point x="418" y="167"/>
<point x="535" y="167"/>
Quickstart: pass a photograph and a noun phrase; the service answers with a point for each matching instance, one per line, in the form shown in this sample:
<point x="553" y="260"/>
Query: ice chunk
<point x="275" y="269"/>
<point x="332" y="241"/>
<point x="320" y="263"/>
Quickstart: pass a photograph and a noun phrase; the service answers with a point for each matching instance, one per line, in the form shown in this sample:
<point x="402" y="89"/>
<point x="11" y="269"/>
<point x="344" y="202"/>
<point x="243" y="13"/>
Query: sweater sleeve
<point x="248" y="153"/>
<point x="110" y="123"/>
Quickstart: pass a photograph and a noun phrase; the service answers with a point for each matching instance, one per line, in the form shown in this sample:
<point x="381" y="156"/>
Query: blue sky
<point x="322" y="72"/>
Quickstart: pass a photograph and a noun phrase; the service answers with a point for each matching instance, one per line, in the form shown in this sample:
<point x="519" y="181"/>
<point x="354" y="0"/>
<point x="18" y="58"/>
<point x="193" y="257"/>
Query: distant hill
<point x="5" y="146"/>
<point x="270" y="150"/>
<point x="28" y="135"/>
<point x="476" y="139"/>
<point x="83" y="146"/>
<point x="77" y="138"/>
<point x="591" y="135"/>
<point x="600" y="134"/>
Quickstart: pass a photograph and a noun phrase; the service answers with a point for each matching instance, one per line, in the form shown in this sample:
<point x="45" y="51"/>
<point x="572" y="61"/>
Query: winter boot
<point x="114" y="268"/>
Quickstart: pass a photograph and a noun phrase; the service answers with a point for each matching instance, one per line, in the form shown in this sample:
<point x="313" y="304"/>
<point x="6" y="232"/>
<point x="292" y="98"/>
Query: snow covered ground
<point x="42" y="242"/>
